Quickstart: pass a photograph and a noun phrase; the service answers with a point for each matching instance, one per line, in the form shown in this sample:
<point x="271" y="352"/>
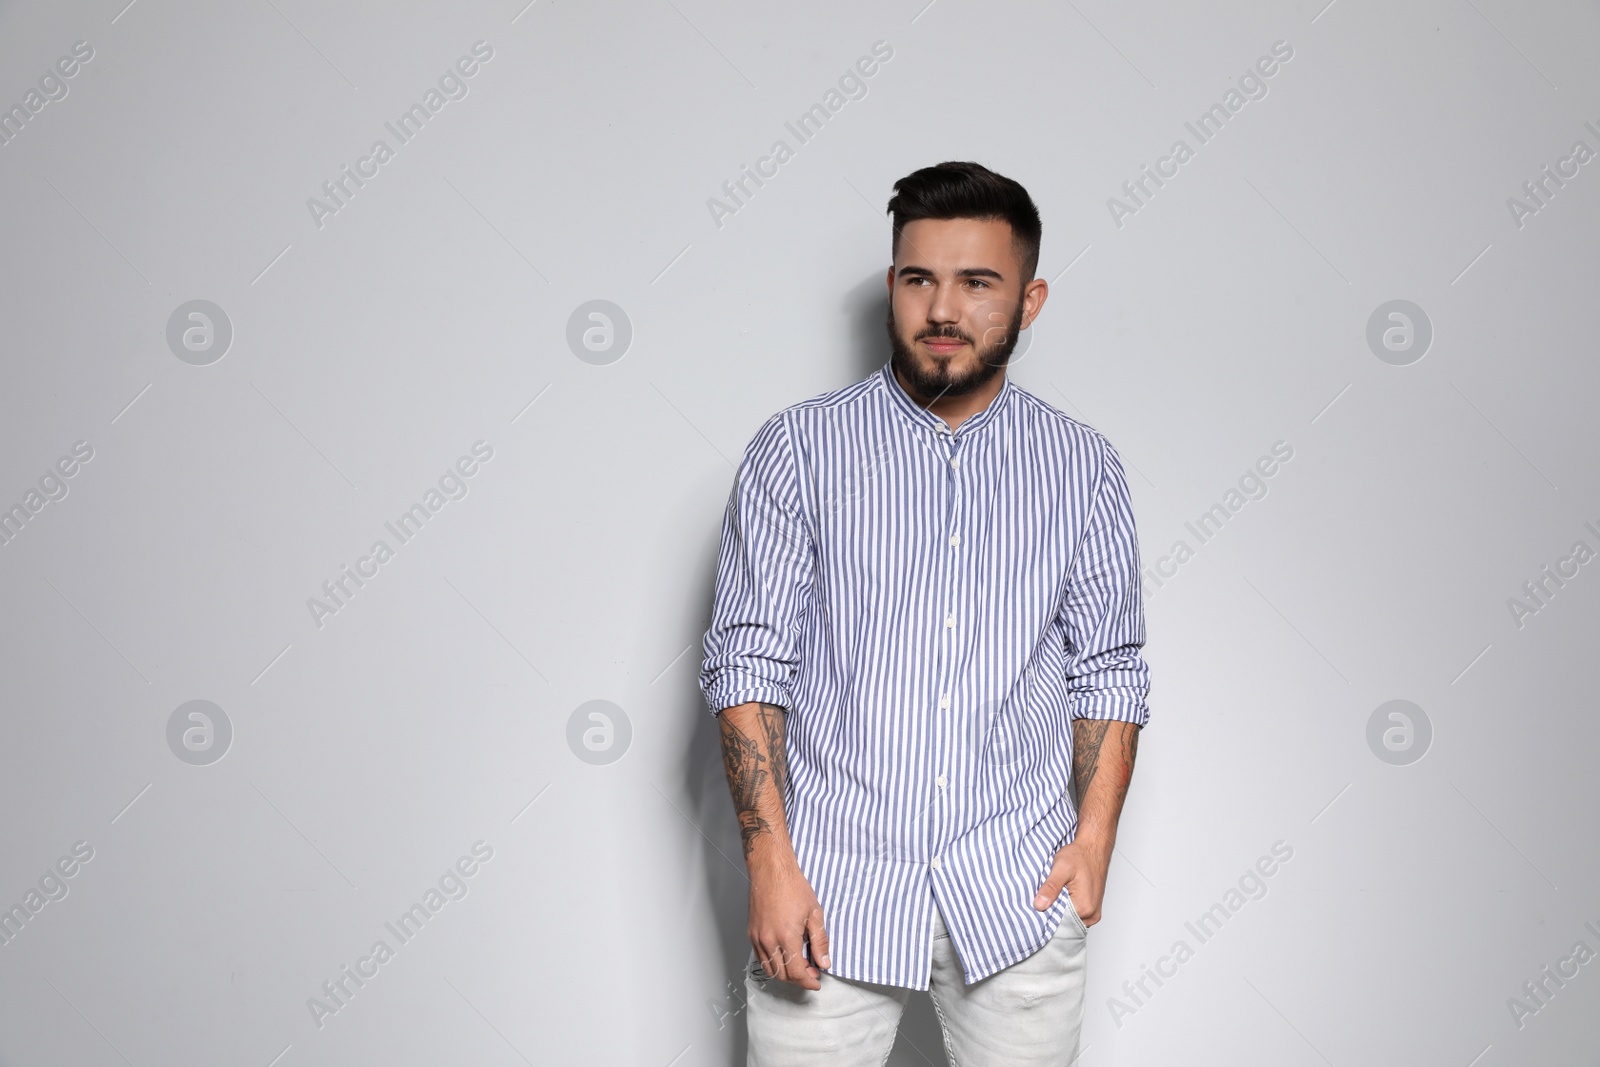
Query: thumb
<point x="1051" y="887"/>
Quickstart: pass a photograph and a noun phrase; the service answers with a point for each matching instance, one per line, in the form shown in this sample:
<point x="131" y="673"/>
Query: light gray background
<point x="432" y="711"/>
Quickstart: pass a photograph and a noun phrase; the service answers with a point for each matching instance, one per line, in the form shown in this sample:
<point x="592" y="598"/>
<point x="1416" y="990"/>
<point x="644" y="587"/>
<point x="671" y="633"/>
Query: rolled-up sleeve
<point x="764" y="576"/>
<point x="1107" y="676"/>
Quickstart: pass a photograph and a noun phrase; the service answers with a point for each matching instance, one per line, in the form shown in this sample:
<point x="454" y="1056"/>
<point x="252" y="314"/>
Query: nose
<point x="944" y="308"/>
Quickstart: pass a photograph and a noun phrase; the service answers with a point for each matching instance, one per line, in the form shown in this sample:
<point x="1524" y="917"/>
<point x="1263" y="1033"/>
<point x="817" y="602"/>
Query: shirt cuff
<point x="1122" y="706"/>
<point x="732" y="693"/>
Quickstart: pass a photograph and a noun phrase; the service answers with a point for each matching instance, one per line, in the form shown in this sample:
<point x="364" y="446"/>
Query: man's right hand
<point x="785" y="917"/>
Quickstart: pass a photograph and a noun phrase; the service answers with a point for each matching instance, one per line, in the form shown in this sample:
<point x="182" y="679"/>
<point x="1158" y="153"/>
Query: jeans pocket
<point x="1072" y="915"/>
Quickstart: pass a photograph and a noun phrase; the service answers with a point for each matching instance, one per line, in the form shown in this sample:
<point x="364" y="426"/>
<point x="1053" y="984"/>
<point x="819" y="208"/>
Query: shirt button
<point x="955" y="461"/>
<point x="949" y="622"/>
<point x="944" y="700"/>
<point x="937" y="863"/>
<point x="955" y="539"/>
<point x="942" y="781"/>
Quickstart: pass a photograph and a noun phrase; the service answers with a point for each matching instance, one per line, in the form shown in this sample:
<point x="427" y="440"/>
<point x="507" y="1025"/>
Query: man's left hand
<point x="1081" y="867"/>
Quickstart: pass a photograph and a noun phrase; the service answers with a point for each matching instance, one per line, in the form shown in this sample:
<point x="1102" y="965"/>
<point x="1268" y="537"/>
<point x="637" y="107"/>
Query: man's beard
<point x="940" y="382"/>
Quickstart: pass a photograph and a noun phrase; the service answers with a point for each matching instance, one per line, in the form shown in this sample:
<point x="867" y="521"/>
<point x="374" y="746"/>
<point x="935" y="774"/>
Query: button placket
<point x="947" y="649"/>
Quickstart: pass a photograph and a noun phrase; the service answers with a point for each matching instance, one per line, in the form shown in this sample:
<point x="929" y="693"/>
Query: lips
<point x="943" y="344"/>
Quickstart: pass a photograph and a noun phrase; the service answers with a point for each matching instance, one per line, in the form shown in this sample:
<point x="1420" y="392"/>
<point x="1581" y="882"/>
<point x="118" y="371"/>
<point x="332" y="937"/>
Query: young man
<point x="927" y="626"/>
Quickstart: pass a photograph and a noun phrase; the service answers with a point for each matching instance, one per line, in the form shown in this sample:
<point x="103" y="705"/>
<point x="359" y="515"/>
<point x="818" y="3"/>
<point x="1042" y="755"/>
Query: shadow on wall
<point x="919" y="1042"/>
<point x="867" y="309"/>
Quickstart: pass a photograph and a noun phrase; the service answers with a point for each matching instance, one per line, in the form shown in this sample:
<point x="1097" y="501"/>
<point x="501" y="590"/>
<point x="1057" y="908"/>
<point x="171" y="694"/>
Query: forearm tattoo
<point x="1089" y="737"/>
<point x="1130" y="752"/>
<point x="752" y="762"/>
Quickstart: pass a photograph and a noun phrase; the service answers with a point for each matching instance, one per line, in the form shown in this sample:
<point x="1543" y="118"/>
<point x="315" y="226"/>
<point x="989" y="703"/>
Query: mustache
<point x="948" y="333"/>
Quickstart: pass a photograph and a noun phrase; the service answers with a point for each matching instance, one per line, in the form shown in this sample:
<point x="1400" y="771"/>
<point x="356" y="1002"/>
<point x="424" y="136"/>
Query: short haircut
<point x="968" y="191"/>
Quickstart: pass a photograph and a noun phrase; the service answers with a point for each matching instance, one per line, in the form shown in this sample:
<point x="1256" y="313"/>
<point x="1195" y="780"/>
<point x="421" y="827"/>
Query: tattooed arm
<point x="1103" y="751"/>
<point x="785" y="917"/>
<point x="1109" y="746"/>
<point x="755" y="758"/>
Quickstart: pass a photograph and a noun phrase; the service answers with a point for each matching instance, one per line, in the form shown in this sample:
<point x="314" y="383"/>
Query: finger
<point x="793" y="963"/>
<point x="817" y="935"/>
<point x="769" y="951"/>
<point x="804" y="974"/>
<point x="774" y="956"/>
<point x="766" y="955"/>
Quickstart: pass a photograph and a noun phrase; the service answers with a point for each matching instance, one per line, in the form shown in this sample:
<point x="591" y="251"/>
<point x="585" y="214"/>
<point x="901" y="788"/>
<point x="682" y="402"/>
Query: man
<point x="927" y="620"/>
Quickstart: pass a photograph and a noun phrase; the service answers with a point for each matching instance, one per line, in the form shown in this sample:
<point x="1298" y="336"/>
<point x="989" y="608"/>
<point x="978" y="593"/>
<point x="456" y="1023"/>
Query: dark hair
<point x="968" y="191"/>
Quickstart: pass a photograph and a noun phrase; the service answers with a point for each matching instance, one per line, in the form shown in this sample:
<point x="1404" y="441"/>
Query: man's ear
<point x="1037" y="286"/>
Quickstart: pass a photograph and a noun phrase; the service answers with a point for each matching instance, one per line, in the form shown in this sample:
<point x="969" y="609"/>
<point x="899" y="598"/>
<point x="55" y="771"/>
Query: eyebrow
<point x="964" y="272"/>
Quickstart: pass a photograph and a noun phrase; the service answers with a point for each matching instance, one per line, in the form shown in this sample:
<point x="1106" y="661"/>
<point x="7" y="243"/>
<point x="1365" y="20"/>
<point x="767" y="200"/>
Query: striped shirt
<point x="933" y="608"/>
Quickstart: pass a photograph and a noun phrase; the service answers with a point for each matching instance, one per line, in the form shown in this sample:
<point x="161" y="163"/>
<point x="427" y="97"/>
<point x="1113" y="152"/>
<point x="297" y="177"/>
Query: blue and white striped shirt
<point x="933" y="608"/>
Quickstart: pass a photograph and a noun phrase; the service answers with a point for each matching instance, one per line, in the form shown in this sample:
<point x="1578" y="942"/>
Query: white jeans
<point x="1027" y="1015"/>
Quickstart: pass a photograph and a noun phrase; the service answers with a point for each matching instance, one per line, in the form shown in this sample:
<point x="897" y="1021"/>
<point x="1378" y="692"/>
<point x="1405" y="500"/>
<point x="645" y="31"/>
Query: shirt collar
<point x="923" y="417"/>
